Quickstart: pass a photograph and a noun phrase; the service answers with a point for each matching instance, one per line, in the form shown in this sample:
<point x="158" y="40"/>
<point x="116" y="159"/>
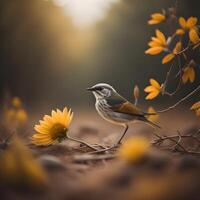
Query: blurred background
<point x="51" y="50"/>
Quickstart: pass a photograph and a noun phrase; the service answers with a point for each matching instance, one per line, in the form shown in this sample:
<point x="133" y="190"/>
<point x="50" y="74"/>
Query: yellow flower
<point x="196" y="108"/>
<point x="175" y="51"/>
<point x="180" y="31"/>
<point x="157" y="44"/>
<point x="156" y="18"/>
<point x="134" y="149"/>
<point x="189" y="23"/>
<point x="16" y="102"/>
<point x="52" y="128"/>
<point x="188" y="74"/>
<point x="10" y="115"/>
<point x="15" y="117"/>
<point x="193" y="35"/>
<point x="153" y="118"/>
<point x="153" y="89"/>
<point x="21" y="116"/>
<point x="18" y="167"/>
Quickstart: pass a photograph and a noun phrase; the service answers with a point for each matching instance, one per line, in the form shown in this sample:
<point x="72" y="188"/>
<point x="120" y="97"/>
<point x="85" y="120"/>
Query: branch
<point x="177" y="146"/>
<point x="180" y="101"/>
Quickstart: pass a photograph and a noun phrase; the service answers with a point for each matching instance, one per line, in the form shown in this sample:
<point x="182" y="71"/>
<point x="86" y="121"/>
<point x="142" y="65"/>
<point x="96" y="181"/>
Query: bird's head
<point x="102" y="90"/>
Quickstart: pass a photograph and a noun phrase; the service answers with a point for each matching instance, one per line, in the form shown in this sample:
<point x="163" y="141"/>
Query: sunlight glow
<point x="85" y="12"/>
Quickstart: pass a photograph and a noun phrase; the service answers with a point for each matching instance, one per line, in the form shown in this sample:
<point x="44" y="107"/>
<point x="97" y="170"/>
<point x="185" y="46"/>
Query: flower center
<point x="58" y="131"/>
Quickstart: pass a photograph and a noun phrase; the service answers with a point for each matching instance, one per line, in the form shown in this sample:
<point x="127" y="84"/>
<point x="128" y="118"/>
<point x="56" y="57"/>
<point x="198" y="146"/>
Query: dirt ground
<point x="73" y="172"/>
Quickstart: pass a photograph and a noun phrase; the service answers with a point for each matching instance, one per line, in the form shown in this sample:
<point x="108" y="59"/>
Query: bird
<point x="116" y="109"/>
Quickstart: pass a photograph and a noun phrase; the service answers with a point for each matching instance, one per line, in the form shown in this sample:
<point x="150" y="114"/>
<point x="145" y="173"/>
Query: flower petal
<point x="153" y="44"/>
<point x="154" y="83"/>
<point x="198" y="112"/>
<point x="185" y="75"/>
<point x="149" y="88"/>
<point x="191" y="22"/>
<point x="195" y="106"/>
<point x="154" y="50"/>
<point x="153" y="21"/>
<point x="182" y="22"/>
<point x="153" y="118"/>
<point x="180" y="31"/>
<point x="191" y="75"/>
<point x="194" y="37"/>
<point x="177" y="48"/>
<point x="152" y="95"/>
<point x="161" y="36"/>
<point x="167" y="58"/>
<point x="158" y="16"/>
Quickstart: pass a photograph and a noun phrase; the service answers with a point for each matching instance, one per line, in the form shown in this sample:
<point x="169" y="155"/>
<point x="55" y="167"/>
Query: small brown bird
<point x="116" y="109"/>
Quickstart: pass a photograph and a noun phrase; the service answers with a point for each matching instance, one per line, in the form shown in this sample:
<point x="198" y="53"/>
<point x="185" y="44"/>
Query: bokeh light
<point x="85" y="12"/>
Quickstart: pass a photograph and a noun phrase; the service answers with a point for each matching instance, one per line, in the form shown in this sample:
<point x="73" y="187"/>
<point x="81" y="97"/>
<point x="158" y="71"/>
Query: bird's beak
<point x="91" y="89"/>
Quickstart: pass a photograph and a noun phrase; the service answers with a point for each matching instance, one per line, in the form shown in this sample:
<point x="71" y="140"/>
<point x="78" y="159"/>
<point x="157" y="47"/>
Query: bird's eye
<point x="100" y="88"/>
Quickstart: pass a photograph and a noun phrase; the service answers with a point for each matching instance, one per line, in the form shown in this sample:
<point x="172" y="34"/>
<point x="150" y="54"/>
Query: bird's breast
<point x="108" y="114"/>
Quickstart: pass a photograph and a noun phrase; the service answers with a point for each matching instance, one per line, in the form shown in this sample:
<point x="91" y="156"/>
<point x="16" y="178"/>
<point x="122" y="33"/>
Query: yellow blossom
<point x="171" y="55"/>
<point x="189" y="23"/>
<point x="153" y="118"/>
<point x="18" y="167"/>
<point x="16" y="102"/>
<point x="134" y="149"/>
<point x="194" y="37"/>
<point x="10" y="115"/>
<point x="156" y="18"/>
<point x="196" y="108"/>
<point x="21" y="116"/>
<point x="157" y="44"/>
<point x="153" y="89"/>
<point x="188" y="74"/>
<point x="52" y="128"/>
<point x="180" y="31"/>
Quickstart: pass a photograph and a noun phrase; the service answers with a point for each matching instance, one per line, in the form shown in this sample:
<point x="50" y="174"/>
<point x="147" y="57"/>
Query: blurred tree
<point x="34" y="38"/>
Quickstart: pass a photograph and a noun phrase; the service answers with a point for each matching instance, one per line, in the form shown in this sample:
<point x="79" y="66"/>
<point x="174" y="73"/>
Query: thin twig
<point x="180" y="101"/>
<point x="81" y="142"/>
<point x="177" y="140"/>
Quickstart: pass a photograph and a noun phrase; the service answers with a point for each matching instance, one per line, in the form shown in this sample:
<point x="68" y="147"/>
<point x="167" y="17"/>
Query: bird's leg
<point x="126" y="128"/>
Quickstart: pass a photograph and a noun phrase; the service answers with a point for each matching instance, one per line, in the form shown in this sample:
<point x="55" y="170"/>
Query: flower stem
<point x="81" y="142"/>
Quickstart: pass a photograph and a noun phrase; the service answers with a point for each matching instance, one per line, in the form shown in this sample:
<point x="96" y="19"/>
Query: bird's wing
<point x="128" y="108"/>
<point x="121" y="105"/>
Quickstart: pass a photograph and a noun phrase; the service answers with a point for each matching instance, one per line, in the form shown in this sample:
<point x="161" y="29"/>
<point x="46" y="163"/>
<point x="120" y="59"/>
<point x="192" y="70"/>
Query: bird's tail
<point x="153" y="124"/>
<point x="150" y="122"/>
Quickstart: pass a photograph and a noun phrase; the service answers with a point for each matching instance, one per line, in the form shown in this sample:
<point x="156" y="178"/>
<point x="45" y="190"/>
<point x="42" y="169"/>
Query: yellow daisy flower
<point x="52" y="128"/>
<point x="196" y="108"/>
<point x="152" y="118"/>
<point x="153" y="89"/>
<point x="157" y="44"/>
<point x="156" y="18"/>
<point x="188" y="74"/>
<point x="171" y="55"/>
<point x="134" y="149"/>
